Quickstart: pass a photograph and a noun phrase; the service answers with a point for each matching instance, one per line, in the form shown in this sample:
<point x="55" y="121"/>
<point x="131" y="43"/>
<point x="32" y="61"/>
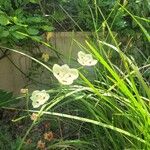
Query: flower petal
<point x="81" y="54"/>
<point x="66" y="81"/>
<point x="74" y="73"/>
<point x="81" y="61"/>
<point x="86" y="59"/>
<point x="39" y="98"/>
<point x="35" y="92"/>
<point x="56" y="70"/>
<point x="64" y="74"/>
<point x="65" y="67"/>
<point x="35" y="104"/>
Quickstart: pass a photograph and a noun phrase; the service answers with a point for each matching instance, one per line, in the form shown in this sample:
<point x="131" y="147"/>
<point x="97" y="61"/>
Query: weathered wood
<point x="13" y="80"/>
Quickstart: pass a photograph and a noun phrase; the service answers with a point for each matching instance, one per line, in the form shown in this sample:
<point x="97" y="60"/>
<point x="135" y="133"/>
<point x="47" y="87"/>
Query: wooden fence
<point x="12" y="79"/>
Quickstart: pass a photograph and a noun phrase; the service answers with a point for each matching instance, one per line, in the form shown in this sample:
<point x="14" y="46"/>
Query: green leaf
<point x="5" y="98"/>
<point x="34" y="1"/>
<point x="1" y="12"/>
<point x="138" y="23"/>
<point x="47" y="28"/>
<point x="32" y="31"/>
<point x="4" y="33"/>
<point x="34" y="19"/>
<point x="38" y="38"/>
<point x="14" y="28"/>
<point x="18" y="22"/>
<point x="4" y="20"/>
<point x="18" y="36"/>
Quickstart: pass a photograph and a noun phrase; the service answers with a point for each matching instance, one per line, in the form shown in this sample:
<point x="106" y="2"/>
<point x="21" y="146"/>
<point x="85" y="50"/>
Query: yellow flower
<point x="34" y="116"/>
<point x="48" y="136"/>
<point x="29" y="141"/>
<point x="45" y="57"/>
<point x="41" y="144"/>
<point x="64" y="74"/>
<point x="49" y="35"/>
<point x="23" y="91"/>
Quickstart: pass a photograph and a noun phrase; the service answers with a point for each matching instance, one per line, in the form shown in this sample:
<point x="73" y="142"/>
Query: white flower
<point x="39" y="98"/>
<point x="24" y="91"/>
<point x="64" y="74"/>
<point x="86" y="59"/>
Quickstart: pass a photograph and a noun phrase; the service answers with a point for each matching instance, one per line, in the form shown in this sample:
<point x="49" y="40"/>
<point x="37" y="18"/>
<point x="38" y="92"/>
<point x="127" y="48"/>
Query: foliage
<point x="85" y="16"/>
<point x="5" y="138"/>
<point x="80" y="12"/>
<point x="109" y="110"/>
<point x="21" y="16"/>
<point x="6" y="98"/>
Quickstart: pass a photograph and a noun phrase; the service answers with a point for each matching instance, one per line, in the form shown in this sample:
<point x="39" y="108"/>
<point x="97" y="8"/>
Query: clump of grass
<point x="109" y="111"/>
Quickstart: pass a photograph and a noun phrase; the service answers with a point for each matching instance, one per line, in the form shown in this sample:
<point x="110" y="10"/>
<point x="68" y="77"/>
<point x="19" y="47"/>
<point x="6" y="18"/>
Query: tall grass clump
<point x="107" y="107"/>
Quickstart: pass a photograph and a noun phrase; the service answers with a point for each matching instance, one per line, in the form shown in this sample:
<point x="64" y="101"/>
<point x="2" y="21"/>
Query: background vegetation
<point x="109" y="110"/>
